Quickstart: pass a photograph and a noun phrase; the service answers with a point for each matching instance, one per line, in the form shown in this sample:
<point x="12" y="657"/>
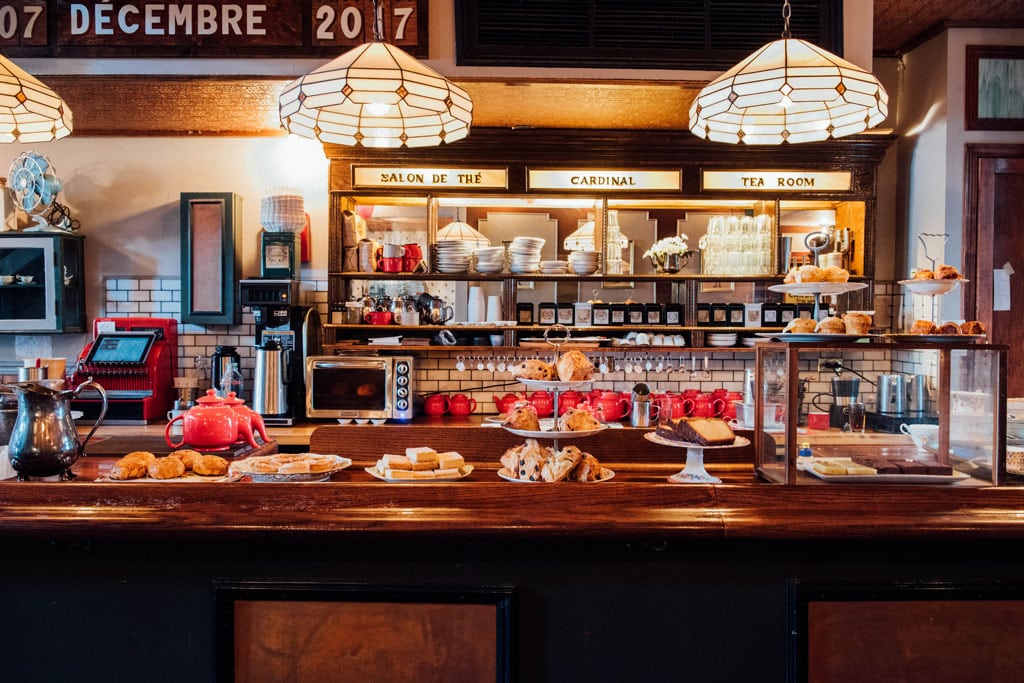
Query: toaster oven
<point x="359" y="387"/>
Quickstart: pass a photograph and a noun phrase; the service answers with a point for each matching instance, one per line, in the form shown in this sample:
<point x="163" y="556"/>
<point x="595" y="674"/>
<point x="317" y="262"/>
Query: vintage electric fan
<point x="34" y="183"/>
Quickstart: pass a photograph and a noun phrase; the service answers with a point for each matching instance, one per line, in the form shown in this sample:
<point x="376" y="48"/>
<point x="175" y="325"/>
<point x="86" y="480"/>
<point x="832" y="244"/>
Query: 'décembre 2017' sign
<point x="214" y="28"/>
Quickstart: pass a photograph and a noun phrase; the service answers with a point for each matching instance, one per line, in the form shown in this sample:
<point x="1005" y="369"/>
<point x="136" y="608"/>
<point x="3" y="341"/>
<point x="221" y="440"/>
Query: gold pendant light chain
<point x="787" y="11"/>
<point x="378" y="21"/>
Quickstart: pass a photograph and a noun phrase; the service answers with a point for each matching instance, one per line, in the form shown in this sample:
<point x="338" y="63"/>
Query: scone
<point x="187" y="456"/>
<point x="576" y="420"/>
<point x="831" y="326"/>
<point x="588" y="469"/>
<point x="800" y="326"/>
<point x="810" y="273"/>
<point x="574" y="366"/>
<point x="558" y="467"/>
<point x="210" y="466"/>
<point x="836" y="274"/>
<point x="946" y="272"/>
<point x="857" y="323"/>
<point x="166" y="468"/>
<point x="924" y="327"/>
<point x="972" y="327"/>
<point x="128" y="468"/>
<point x="533" y="368"/>
<point x="523" y="417"/>
<point x="924" y="274"/>
<point x="145" y="457"/>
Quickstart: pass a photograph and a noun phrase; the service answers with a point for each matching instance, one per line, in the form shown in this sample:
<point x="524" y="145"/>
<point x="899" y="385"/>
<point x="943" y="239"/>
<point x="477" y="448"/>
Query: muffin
<point x="857" y="323"/>
<point x="801" y="326"/>
<point x="831" y="326"/>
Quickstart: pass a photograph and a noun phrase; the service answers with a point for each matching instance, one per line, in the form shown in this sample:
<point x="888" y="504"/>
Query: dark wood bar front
<point x="630" y="579"/>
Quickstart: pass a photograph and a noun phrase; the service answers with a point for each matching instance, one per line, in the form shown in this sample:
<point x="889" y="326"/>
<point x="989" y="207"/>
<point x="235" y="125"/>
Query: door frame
<point x="972" y="249"/>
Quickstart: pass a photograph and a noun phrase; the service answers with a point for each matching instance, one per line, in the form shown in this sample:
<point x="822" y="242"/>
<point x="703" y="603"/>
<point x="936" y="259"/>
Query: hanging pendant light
<point x="376" y="95"/>
<point x="788" y="91"/>
<point x="29" y="110"/>
<point x="461" y="231"/>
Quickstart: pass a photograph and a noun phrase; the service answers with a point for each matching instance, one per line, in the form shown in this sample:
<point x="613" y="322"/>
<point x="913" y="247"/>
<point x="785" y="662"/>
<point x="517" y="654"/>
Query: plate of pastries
<point x="944" y="333"/>
<point x="181" y="465"/>
<point x="420" y="464"/>
<point x="943" y="279"/>
<point x="523" y="421"/>
<point x="696" y="432"/>
<point x="848" y="327"/>
<point x="290" y="467"/>
<point x="571" y="368"/>
<point x="533" y="463"/>
<point x="810" y="279"/>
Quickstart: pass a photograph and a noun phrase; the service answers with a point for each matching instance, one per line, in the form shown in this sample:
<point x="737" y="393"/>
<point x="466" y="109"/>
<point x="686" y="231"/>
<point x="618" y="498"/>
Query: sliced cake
<point x="703" y="431"/>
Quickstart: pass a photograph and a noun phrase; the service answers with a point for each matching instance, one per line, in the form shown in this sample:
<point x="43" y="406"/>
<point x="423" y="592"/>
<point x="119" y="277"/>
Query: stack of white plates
<point x="722" y="339"/>
<point x="524" y="254"/>
<point x="749" y="341"/>
<point x="553" y="267"/>
<point x="490" y="259"/>
<point x="583" y="262"/>
<point x="452" y="256"/>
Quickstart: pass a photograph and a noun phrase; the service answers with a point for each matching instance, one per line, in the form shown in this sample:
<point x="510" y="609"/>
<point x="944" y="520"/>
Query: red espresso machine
<point x="135" y="360"/>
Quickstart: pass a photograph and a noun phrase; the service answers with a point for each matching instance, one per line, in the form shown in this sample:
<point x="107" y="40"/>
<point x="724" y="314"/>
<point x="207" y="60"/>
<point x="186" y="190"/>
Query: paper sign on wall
<point x="1000" y="290"/>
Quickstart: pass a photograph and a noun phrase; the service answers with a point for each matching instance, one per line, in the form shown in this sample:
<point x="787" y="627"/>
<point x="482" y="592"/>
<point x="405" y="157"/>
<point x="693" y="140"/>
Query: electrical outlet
<point x="829" y="365"/>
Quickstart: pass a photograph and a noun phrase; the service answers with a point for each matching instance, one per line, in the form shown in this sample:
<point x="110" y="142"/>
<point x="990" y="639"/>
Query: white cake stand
<point x="693" y="472"/>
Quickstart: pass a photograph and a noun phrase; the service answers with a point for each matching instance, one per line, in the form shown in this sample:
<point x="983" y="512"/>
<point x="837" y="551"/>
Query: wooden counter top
<point x="638" y="502"/>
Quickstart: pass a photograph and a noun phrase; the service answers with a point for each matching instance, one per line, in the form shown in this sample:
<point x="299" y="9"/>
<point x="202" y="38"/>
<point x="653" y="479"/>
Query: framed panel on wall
<point x="994" y="88"/>
<point x="330" y="631"/>
<point x="211" y="260"/>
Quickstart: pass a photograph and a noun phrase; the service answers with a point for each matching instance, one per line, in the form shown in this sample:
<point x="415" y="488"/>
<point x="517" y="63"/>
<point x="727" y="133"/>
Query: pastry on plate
<point x="836" y="274"/>
<point x="166" y="468"/>
<point x="187" y="456"/>
<point x="558" y="467"/>
<point x="523" y="417"/>
<point x="145" y="457"/>
<point x="800" y="326"/>
<point x="705" y="431"/>
<point x="577" y="420"/>
<point x="210" y="466"/>
<point x="588" y="469"/>
<point x="526" y="461"/>
<point x="924" y="327"/>
<point x="533" y="368"/>
<point x="924" y="274"/>
<point x="973" y="327"/>
<point x="946" y="272"/>
<point x="831" y="326"/>
<point x="857" y="323"/>
<point x="948" y="328"/>
<point x="574" y="366"/>
<point x="128" y="468"/>
<point x="810" y="273"/>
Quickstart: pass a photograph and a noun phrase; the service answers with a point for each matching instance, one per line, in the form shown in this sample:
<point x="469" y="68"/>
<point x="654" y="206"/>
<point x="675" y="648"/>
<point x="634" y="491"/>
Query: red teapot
<point x="707" y="406"/>
<point x="670" y="405"/>
<point x="461" y="405"/>
<point x="610" y="405"/>
<point x="543" y="402"/>
<point x="212" y="425"/>
<point x="569" y="399"/>
<point x="507" y="402"/>
<point x="436" y="404"/>
<point x="248" y="419"/>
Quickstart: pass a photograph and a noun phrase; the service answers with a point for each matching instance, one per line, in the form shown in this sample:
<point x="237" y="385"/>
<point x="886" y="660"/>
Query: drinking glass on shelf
<point x="856" y="415"/>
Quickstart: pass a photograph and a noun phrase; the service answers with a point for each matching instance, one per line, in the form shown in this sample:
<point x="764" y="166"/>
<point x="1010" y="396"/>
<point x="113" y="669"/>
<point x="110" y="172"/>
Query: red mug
<point x="435" y="404"/>
<point x="389" y="265"/>
<point x="817" y="420"/>
<point x="378" y="317"/>
<point x="691" y="394"/>
<point x="412" y="251"/>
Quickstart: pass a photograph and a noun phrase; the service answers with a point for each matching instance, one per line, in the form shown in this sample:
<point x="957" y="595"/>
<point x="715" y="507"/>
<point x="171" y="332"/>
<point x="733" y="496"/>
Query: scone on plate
<point x="523" y="417"/>
<point x="831" y="326"/>
<point x="574" y="366"/>
<point x="801" y="326"/>
<point x="836" y="274"/>
<point x="533" y="368"/>
<point x="857" y="323"/>
<point x="577" y="420"/>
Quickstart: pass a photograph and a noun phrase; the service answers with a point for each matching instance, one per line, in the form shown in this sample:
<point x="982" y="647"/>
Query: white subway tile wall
<point x="676" y="371"/>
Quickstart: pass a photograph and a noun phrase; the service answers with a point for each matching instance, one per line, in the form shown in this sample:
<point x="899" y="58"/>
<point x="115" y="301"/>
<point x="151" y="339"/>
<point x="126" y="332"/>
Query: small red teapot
<point x="461" y="405"/>
<point x="248" y="419"/>
<point x="212" y="425"/>
<point x="507" y="402"/>
<point x="436" y="404"/>
<point x="610" y="405"/>
<point x="569" y="399"/>
<point x="707" y="406"/>
<point x="543" y="402"/>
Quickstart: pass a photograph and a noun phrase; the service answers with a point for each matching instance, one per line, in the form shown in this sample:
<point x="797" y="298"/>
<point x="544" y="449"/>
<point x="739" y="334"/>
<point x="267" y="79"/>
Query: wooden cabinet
<point x="41" y="283"/>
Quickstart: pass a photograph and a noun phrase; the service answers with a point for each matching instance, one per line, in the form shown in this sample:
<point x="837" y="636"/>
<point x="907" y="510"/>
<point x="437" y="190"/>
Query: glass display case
<point x="41" y="285"/>
<point x="883" y="410"/>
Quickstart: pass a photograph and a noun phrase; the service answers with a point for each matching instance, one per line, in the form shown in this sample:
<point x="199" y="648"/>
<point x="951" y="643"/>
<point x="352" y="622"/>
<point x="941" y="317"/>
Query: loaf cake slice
<point x="704" y="431"/>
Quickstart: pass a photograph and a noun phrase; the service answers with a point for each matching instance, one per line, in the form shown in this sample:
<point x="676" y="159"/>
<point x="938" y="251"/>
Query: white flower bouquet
<point x="669" y="255"/>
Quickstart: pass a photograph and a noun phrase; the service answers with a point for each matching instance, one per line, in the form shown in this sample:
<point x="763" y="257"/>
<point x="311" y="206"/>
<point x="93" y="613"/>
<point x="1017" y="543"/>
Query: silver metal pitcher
<point x="891" y="397"/>
<point x="269" y="392"/>
<point x="44" y="441"/>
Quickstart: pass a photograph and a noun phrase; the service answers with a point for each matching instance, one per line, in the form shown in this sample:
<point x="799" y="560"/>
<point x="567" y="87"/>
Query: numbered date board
<point x="212" y="28"/>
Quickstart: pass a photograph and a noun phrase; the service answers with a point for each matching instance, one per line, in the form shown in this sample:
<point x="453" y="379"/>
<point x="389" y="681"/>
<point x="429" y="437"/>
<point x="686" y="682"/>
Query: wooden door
<point x="993" y="238"/>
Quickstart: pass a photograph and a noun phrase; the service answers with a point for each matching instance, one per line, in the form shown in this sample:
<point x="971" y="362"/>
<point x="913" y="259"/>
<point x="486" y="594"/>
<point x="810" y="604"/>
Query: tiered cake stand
<point x="817" y="290"/>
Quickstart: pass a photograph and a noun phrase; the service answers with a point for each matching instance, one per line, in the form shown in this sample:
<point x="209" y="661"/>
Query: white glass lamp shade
<point x="376" y="95"/>
<point x="457" y="231"/>
<point x="788" y="91"/>
<point x="29" y="110"/>
<point x="581" y="239"/>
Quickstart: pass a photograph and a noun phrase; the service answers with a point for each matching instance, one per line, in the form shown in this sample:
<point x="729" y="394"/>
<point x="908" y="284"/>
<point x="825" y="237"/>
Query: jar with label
<point x="805" y="311"/>
<point x="601" y="314"/>
<point x="524" y="313"/>
<point x="673" y="314"/>
<point x="786" y="313"/>
<point x="770" y="314"/>
<point x="735" y="315"/>
<point x="566" y="314"/>
<point x="719" y="315"/>
<point x="337" y="315"/>
<point x="703" y="314"/>
<point x="583" y="314"/>
<point x="635" y="313"/>
<point x="652" y="314"/>
<point x="353" y="312"/>
<point x="548" y="313"/>
<point x="617" y="313"/>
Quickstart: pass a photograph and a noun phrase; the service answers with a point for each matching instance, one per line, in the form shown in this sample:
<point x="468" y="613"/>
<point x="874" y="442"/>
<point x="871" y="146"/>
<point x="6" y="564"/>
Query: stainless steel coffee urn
<point x="269" y="387"/>
<point x="891" y="396"/>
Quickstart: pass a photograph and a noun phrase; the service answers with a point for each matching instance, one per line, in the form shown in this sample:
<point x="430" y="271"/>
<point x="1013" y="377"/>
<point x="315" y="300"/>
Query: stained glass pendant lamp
<point x="788" y="91"/>
<point x="29" y="110"/>
<point x="376" y="95"/>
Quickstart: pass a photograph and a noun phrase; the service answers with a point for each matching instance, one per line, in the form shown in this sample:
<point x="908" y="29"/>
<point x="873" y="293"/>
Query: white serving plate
<point x="889" y="478"/>
<point x="807" y="288"/>
<point x="340" y="463"/>
<point x="555" y="384"/>
<point x="658" y="439"/>
<point x="549" y="434"/>
<point x="465" y="471"/>
<point x="931" y="287"/>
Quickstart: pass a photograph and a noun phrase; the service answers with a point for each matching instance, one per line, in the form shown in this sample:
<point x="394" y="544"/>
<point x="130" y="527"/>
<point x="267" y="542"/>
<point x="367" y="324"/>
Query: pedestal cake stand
<point x="693" y="472"/>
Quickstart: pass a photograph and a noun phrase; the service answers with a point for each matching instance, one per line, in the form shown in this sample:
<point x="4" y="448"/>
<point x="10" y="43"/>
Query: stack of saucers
<point x="721" y="339"/>
<point x="490" y="259"/>
<point x="452" y="256"/>
<point x="749" y="342"/>
<point x="583" y="262"/>
<point x="553" y="267"/>
<point x="524" y="254"/>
